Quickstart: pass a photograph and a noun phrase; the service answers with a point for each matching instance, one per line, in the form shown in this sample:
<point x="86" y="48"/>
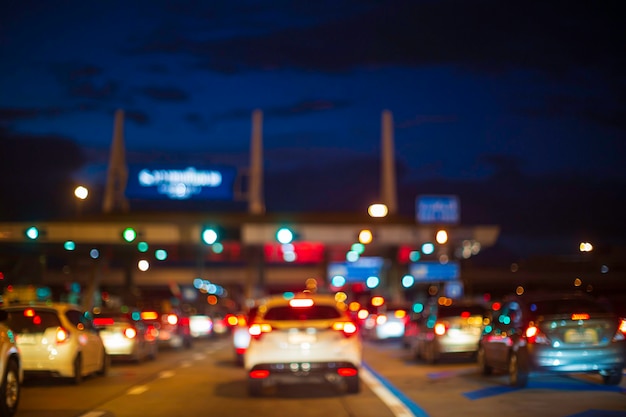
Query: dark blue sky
<point x="491" y="100"/>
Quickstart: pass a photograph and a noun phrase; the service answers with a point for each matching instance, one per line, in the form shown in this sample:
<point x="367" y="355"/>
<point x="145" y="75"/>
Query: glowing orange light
<point x="378" y="301"/>
<point x="440" y="329"/>
<point x="580" y="316"/>
<point x="149" y="315"/>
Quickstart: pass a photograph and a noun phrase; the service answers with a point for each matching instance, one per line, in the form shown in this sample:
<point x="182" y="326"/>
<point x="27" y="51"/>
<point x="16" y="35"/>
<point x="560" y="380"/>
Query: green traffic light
<point x="209" y="236"/>
<point x="284" y="235"/>
<point x="129" y="234"/>
<point x="32" y="233"/>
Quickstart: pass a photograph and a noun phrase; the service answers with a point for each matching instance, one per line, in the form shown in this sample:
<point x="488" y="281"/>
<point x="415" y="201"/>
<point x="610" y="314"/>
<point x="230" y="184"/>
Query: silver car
<point x="446" y="328"/>
<point x="553" y="332"/>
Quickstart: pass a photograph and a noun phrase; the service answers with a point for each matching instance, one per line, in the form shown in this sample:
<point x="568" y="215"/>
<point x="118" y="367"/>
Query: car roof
<point x="282" y="300"/>
<point x="552" y="295"/>
<point x="60" y="306"/>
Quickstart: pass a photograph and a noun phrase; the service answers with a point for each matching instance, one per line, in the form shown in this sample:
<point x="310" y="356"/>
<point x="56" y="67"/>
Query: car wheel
<point x="238" y="359"/>
<point x="353" y="384"/>
<point x="255" y="387"/>
<point x="10" y="389"/>
<point x="187" y="343"/>
<point x="415" y="351"/>
<point x="518" y="369"/>
<point x="78" y="370"/>
<point x="106" y="362"/>
<point x="431" y="354"/>
<point x="613" y="378"/>
<point x="153" y="353"/>
<point x="482" y="362"/>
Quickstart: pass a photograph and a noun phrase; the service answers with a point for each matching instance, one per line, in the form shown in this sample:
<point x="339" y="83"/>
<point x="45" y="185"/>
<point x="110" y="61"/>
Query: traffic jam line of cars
<point x="313" y="337"/>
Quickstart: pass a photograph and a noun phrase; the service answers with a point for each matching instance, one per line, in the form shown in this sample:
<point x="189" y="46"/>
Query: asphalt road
<point x="205" y="381"/>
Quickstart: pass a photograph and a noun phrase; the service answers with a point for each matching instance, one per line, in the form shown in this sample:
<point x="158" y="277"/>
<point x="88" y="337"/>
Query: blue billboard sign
<point x="427" y="271"/>
<point x="438" y="209"/>
<point x="357" y="271"/>
<point x="181" y="183"/>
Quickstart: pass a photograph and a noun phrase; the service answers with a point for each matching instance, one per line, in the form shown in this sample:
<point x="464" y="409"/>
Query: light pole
<point x="81" y="193"/>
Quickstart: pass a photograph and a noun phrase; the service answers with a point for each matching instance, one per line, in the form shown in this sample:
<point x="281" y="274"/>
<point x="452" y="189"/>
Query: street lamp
<point x="377" y="210"/>
<point x="585" y="247"/>
<point x="81" y="194"/>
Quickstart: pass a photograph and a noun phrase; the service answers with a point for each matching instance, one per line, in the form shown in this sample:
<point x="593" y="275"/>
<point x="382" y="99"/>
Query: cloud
<point x="165" y="93"/>
<point x="483" y="35"/>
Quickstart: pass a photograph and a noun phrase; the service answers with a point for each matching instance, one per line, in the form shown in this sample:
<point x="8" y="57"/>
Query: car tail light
<point x="620" y="334"/>
<point x="347" y="327"/>
<point x="440" y="329"/>
<point x="103" y="321"/>
<point x="535" y="336"/>
<point x="347" y="372"/>
<point x="61" y="335"/>
<point x="152" y="333"/>
<point x="130" y="332"/>
<point x="257" y="329"/>
<point x="259" y="374"/>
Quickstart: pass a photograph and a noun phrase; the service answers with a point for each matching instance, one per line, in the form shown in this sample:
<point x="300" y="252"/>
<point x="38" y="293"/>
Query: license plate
<point x="300" y="338"/>
<point x="26" y="339"/>
<point x="576" y="336"/>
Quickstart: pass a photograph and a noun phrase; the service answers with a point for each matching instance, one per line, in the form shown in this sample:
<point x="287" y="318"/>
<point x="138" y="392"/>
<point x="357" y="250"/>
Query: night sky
<point x="517" y="108"/>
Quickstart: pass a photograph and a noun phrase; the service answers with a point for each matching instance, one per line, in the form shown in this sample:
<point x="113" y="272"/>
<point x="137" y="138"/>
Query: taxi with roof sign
<point x="308" y="337"/>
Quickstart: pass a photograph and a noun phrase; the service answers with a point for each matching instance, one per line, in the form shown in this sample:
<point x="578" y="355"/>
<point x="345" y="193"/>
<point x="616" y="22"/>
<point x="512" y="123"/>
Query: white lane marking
<point x="395" y="405"/>
<point x="166" y="374"/>
<point x="198" y="356"/>
<point x="93" y="414"/>
<point x="185" y="364"/>
<point x="137" y="390"/>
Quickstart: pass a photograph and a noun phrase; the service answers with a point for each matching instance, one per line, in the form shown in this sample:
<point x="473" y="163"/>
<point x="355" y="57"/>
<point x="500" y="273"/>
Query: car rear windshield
<point x="37" y="322"/>
<point x="316" y="312"/>
<point x="458" y="311"/>
<point x="569" y="306"/>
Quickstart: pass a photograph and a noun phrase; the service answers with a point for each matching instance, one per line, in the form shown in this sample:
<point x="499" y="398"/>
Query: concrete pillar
<point x="388" y="193"/>
<point x="256" y="202"/>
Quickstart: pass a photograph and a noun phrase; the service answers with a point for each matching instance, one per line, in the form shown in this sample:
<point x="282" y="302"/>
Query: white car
<point x="126" y="336"/>
<point x="308" y="337"/>
<point x="57" y="339"/>
<point x="200" y="326"/>
<point x="10" y="370"/>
